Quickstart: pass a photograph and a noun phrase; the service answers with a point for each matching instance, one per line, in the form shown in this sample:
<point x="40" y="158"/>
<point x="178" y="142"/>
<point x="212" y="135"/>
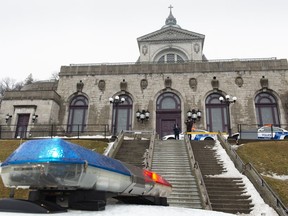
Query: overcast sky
<point x="38" y="36"/>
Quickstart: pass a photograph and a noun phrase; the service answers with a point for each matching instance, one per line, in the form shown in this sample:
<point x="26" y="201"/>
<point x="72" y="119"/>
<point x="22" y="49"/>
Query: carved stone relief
<point x="215" y="83"/>
<point x="239" y="81"/>
<point x="101" y="85"/>
<point x="79" y="86"/>
<point x="144" y="83"/>
<point x="196" y="48"/>
<point x="168" y="82"/>
<point x="123" y="85"/>
<point x="193" y="83"/>
<point x="144" y="50"/>
<point x="264" y="82"/>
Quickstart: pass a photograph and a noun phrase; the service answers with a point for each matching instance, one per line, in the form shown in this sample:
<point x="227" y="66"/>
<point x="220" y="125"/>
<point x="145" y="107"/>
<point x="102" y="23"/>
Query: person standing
<point x="189" y="125"/>
<point x="176" y="130"/>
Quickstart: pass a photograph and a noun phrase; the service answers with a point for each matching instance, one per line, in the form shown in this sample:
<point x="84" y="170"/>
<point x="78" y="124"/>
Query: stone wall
<point x="236" y="78"/>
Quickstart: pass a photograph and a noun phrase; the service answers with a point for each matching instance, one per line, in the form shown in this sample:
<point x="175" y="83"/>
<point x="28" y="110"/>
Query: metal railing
<point x="194" y="164"/>
<point x="10" y="131"/>
<point x="253" y="175"/>
<point x="145" y="63"/>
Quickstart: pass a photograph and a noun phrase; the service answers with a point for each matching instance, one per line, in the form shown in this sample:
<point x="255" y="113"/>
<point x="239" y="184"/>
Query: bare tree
<point x="8" y="84"/>
<point x="55" y="75"/>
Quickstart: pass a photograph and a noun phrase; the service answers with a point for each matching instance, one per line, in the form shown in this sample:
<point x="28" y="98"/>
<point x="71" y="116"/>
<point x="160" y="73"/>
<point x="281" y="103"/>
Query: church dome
<point x="171" y="20"/>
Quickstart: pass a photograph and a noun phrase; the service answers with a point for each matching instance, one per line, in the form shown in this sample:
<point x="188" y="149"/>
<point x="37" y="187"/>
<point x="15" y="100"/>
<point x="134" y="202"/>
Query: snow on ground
<point x="260" y="207"/>
<point x="133" y="210"/>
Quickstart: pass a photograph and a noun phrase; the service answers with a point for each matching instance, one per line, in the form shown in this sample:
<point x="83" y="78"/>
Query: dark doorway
<point x="22" y="125"/>
<point x="168" y="113"/>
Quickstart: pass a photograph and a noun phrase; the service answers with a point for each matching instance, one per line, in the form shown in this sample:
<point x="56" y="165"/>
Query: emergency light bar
<point x="55" y="166"/>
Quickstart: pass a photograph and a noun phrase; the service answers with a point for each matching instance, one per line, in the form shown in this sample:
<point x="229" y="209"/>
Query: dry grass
<point x="269" y="157"/>
<point x="8" y="146"/>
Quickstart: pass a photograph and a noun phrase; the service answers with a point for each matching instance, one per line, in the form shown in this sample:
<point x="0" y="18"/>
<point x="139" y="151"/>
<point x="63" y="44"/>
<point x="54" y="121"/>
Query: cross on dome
<point x="171" y="20"/>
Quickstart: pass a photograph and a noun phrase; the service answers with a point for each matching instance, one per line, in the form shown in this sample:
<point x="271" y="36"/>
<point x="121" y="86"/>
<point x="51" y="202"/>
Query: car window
<point x="277" y="129"/>
<point x="267" y="129"/>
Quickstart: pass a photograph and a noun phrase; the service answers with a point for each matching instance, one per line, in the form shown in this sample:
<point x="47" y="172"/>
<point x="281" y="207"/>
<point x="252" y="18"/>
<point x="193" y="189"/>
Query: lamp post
<point x="142" y="115"/>
<point x="228" y="100"/>
<point x="194" y="115"/>
<point x="115" y="101"/>
<point x="7" y="117"/>
<point x="34" y="118"/>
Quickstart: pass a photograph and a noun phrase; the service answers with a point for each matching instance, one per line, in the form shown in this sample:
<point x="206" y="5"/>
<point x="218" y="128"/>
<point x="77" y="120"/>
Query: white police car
<point x="271" y="132"/>
<point x="265" y="132"/>
<point x="196" y="134"/>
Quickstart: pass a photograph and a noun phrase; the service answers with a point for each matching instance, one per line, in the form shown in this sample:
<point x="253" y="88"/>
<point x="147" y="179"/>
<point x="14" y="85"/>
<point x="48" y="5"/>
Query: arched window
<point x="216" y="113"/>
<point x="168" y="101"/>
<point x="170" y="58"/>
<point x="122" y="115"/>
<point x="266" y="109"/>
<point x="77" y="114"/>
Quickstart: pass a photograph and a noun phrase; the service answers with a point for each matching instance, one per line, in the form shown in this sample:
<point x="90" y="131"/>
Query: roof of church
<point x="171" y="31"/>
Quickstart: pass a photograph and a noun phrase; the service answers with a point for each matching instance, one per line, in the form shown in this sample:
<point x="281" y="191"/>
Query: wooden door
<point x="22" y="125"/>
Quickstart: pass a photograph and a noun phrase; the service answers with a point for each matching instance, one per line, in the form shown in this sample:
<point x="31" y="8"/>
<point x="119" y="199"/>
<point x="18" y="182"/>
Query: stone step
<point x="185" y="203"/>
<point x="186" y="190"/>
<point x="172" y="169"/>
<point x="224" y="186"/>
<point x="218" y="179"/>
<point x="231" y="201"/>
<point x="229" y="197"/>
<point x="184" y="194"/>
<point x="231" y="206"/>
<point x="172" y="163"/>
<point x="182" y="182"/>
<point x="226" y="193"/>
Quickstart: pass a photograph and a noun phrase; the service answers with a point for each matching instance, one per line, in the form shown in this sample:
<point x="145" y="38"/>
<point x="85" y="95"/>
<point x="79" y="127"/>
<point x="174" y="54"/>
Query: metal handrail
<point x="148" y="156"/>
<point x="195" y="166"/>
<point x="255" y="178"/>
<point x="9" y="131"/>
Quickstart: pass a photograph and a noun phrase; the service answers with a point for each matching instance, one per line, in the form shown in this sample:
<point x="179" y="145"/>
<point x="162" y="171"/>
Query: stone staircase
<point x="225" y="194"/>
<point x="132" y="151"/>
<point x="170" y="160"/>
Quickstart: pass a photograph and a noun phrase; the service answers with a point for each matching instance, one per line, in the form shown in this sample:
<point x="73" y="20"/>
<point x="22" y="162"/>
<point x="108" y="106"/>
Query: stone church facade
<point x="171" y="77"/>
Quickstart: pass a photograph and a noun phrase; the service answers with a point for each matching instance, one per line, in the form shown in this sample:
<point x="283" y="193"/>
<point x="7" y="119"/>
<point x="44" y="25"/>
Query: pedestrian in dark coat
<point x="176" y="130"/>
<point x="189" y="125"/>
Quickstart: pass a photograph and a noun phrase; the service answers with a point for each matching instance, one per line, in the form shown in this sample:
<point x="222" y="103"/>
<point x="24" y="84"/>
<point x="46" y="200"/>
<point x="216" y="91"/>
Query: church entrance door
<point x="22" y="124"/>
<point x="168" y="113"/>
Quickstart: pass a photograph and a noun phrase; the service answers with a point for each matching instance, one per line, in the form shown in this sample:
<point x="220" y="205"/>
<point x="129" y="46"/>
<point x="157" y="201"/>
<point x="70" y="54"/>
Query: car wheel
<point x="286" y="137"/>
<point x="170" y="138"/>
<point x="208" y="138"/>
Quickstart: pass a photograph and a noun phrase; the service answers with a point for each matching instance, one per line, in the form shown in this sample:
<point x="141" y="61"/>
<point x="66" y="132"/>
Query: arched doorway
<point x="266" y="109"/>
<point x="216" y="113"/>
<point x="122" y="115"/>
<point x="168" y="113"/>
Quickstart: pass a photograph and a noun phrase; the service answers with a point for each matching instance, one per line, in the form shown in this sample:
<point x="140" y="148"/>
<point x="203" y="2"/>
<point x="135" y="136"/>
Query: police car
<point x="196" y="134"/>
<point x="271" y="132"/>
<point x="265" y="132"/>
